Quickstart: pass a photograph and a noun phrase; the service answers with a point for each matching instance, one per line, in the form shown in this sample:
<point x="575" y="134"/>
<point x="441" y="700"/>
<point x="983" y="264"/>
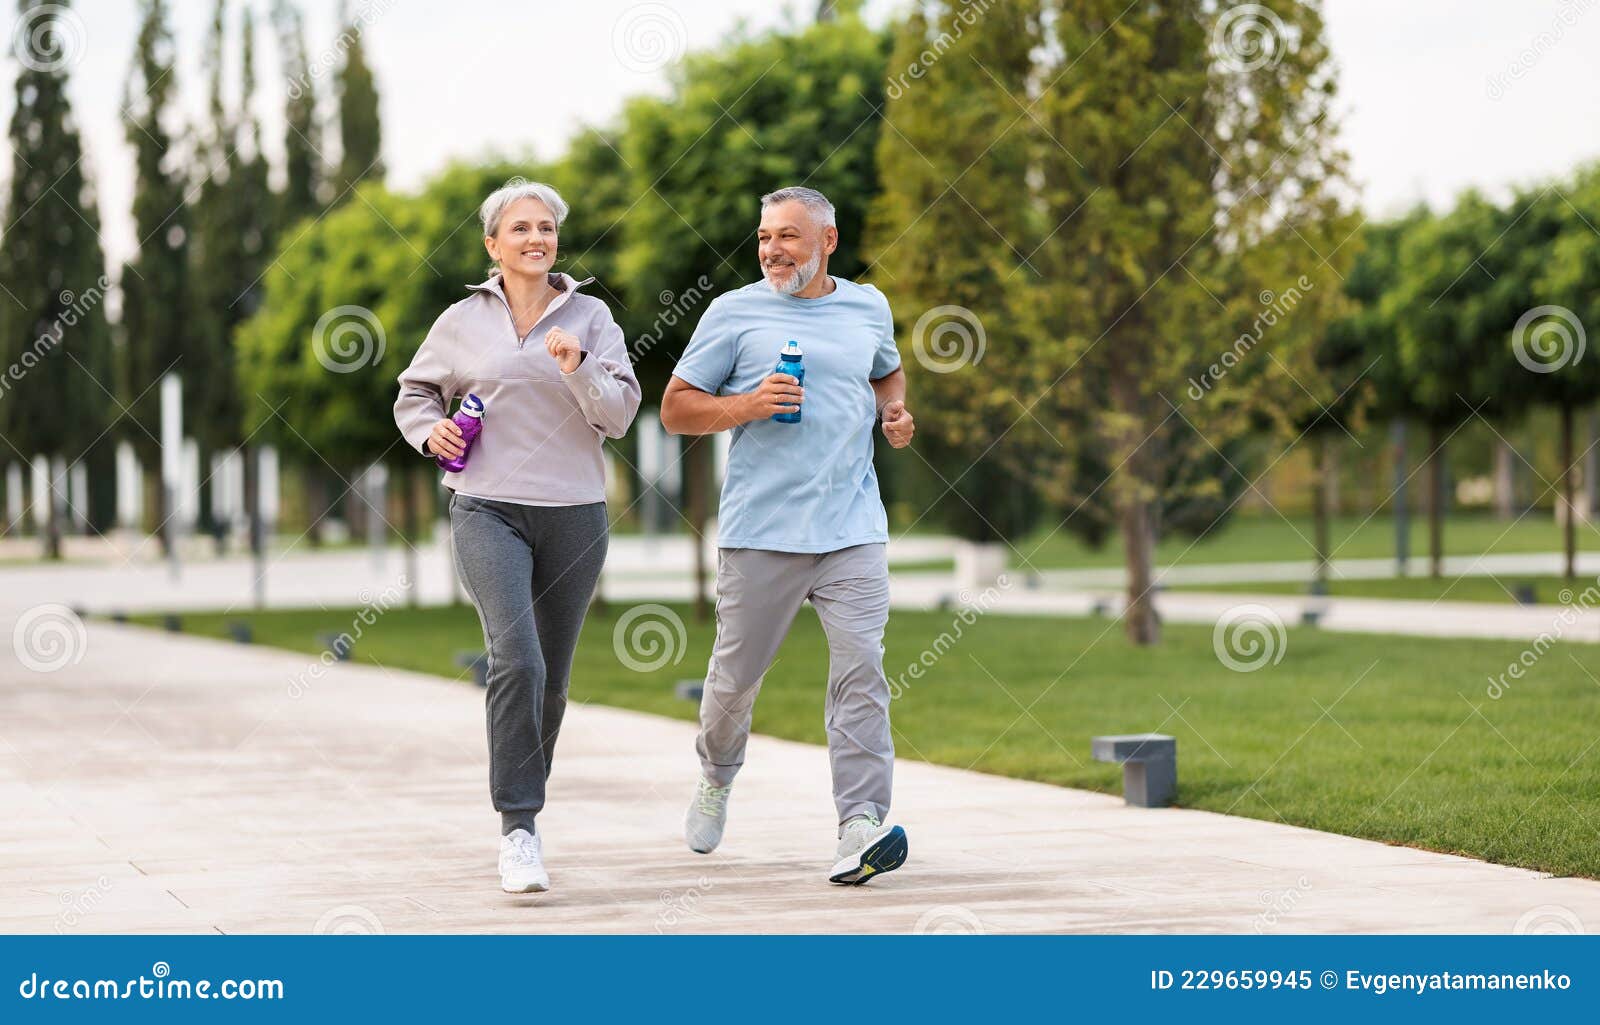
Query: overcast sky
<point x="1439" y="95"/>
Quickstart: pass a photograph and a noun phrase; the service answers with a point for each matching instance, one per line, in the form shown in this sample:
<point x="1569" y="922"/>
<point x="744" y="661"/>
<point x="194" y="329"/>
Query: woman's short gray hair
<point x="811" y="199"/>
<point x="494" y="208"/>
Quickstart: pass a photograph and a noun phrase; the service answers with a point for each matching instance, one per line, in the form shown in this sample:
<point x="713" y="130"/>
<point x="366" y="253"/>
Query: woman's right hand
<point x="445" y="439"/>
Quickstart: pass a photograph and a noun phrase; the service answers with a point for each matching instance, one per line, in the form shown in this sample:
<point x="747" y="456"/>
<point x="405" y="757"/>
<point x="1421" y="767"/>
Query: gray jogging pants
<point x="530" y="570"/>
<point x="758" y="594"/>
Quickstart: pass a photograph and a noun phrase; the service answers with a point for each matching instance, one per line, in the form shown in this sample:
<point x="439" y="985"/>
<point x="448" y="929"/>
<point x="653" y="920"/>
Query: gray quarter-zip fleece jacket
<point x="542" y="429"/>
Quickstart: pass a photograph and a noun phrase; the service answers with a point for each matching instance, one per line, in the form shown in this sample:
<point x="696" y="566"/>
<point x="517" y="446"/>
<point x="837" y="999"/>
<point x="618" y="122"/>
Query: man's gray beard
<point x="800" y="278"/>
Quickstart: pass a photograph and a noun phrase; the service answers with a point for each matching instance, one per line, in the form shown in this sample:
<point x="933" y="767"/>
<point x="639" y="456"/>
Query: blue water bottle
<point x="789" y="363"/>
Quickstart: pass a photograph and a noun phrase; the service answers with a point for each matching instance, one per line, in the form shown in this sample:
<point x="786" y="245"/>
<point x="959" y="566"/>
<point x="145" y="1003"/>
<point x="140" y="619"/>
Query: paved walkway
<point x="177" y="784"/>
<point x="656" y="569"/>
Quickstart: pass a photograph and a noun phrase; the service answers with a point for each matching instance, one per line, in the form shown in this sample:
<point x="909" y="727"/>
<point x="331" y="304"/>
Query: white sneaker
<point x="708" y="814"/>
<point x="867" y="848"/>
<point x="521" y="867"/>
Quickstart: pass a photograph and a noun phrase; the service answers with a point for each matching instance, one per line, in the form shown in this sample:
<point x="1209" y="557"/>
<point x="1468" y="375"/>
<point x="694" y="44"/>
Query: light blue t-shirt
<point x="806" y="487"/>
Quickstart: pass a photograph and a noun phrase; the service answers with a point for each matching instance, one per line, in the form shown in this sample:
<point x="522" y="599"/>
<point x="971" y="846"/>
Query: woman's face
<point x="526" y="241"/>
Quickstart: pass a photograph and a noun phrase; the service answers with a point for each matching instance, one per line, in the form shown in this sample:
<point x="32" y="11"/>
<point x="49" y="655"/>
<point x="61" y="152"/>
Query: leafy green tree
<point x="1450" y="310"/>
<point x="360" y="135"/>
<point x="1111" y="191"/>
<point x="54" y="340"/>
<point x="158" y="327"/>
<point x="1557" y="302"/>
<point x="782" y="108"/>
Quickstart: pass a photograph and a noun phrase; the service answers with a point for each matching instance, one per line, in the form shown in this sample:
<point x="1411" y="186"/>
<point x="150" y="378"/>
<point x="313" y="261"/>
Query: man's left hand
<point x="897" y="424"/>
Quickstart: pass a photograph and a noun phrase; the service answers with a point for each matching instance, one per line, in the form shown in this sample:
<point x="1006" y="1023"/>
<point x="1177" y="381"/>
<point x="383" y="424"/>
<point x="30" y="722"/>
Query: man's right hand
<point x="445" y="439"/>
<point x="779" y="393"/>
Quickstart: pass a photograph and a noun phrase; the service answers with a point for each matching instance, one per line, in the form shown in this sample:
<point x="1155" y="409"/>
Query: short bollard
<point x="339" y="645"/>
<point x="240" y="631"/>
<point x="689" y="690"/>
<point x="478" y="662"/>
<point x="173" y="624"/>
<point x="1149" y="766"/>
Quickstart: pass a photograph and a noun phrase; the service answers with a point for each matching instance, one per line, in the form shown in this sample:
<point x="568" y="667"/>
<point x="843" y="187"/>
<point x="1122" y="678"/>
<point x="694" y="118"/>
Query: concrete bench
<point x="1149" y="766"/>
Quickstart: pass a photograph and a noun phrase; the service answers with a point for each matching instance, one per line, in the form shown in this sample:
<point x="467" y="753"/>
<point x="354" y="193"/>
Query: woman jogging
<point x="552" y="379"/>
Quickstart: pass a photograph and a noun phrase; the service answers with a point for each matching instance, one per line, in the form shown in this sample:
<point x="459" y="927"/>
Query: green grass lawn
<point x="1413" y="751"/>
<point x="1270" y="538"/>
<point x="1503" y="589"/>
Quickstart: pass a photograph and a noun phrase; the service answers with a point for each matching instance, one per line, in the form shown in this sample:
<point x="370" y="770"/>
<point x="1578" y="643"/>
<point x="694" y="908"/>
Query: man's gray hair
<point x="814" y="201"/>
<point x="494" y="208"/>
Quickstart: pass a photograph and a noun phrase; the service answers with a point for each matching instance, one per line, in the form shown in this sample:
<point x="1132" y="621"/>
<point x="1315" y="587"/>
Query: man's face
<point x="792" y="246"/>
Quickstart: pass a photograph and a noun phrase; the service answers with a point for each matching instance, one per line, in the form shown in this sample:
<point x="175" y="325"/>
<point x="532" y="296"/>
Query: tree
<point x="782" y="108"/>
<point x="159" y="331"/>
<point x="1556" y="301"/>
<point x="1449" y="306"/>
<point x="302" y="147"/>
<point x="1137" y="182"/>
<point x="360" y="136"/>
<point x="54" y="339"/>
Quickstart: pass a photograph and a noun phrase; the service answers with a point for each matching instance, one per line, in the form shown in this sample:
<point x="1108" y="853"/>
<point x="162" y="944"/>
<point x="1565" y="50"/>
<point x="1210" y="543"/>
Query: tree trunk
<point x="252" y="506"/>
<point x="699" y="448"/>
<point x="408" y="530"/>
<point x="1402" y="522"/>
<point x="1568" y="493"/>
<point x="52" y="511"/>
<point x="1503" y="479"/>
<point x="155" y="506"/>
<point x="1322" y="506"/>
<point x="1436" y="501"/>
<point x="316" y="489"/>
<point x="1139" y="617"/>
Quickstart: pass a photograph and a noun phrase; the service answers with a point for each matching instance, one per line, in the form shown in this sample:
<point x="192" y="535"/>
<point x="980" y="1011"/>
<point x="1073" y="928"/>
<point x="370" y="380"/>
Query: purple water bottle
<point x="470" y="419"/>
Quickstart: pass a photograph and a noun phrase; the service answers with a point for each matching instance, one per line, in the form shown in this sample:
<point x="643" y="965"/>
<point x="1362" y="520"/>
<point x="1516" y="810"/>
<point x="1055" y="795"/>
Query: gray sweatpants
<point x="758" y="595"/>
<point x="530" y="570"/>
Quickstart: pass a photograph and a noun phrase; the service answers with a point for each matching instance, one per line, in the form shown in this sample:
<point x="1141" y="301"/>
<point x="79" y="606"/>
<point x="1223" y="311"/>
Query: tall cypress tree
<point x="53" y="331"/>
<point x="157" y="311"/>
<point x="360" y="136"/>
<point x="302" y="134"/>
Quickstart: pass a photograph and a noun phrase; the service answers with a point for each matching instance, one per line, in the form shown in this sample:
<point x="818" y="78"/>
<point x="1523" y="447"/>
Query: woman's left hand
<point x="565" y="347"/>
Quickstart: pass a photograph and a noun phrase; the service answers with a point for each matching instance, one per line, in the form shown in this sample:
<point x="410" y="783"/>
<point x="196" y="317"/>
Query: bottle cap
<point x="472" y="405"/>
<point x="791" y="348"/>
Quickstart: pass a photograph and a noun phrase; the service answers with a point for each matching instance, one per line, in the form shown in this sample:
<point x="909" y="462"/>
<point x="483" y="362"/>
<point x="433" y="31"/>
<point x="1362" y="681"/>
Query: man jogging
<point x="800" y="516"/>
